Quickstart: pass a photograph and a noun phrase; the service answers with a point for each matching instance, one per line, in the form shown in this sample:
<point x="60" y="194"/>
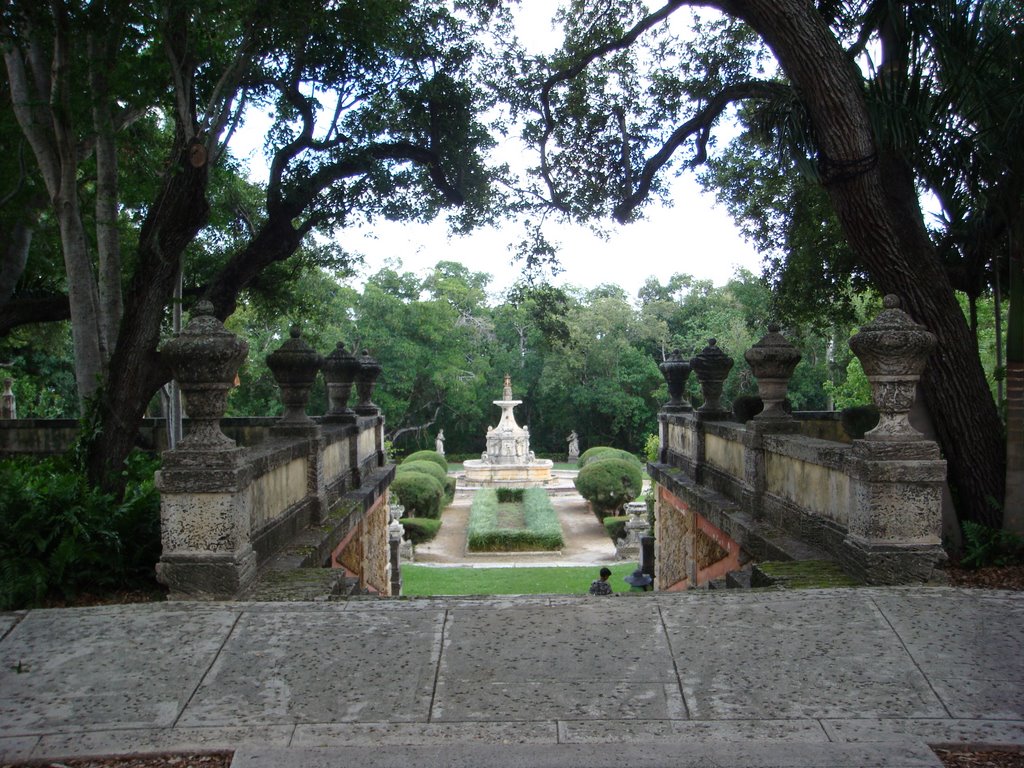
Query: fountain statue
<point x="508" y="460"/>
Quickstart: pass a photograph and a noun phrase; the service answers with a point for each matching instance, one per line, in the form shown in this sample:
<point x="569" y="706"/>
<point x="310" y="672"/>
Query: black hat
<point x="638" y="579"/>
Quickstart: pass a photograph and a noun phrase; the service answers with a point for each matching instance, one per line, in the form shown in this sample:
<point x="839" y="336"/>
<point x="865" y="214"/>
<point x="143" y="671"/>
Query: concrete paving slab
<point x="321" y="666"/>
<point x="695" y="731"/>
<point x="930" y="731"/>
<point x="424" y="734"/>
<point x="131" y="741"/>
<point x="17" y="747"/>
<point x="477" y="700"/>
<point x="98" y="667"/>
<point x="587" y="641"/>
<point x="951" y="633"/>
<point x="967" y="645"/>
<point x="648" y="755"/>
<point x="789" y="657"/>
<point x="8" y="620"/>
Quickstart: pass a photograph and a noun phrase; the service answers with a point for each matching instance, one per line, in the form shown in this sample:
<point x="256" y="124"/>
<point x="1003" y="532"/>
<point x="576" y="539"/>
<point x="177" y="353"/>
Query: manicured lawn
<point x="421" y="580"/>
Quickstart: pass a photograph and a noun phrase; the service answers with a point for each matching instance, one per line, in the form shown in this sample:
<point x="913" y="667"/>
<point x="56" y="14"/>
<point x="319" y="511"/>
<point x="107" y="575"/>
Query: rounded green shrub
<point x="420" y="530"/>
<point x="609" y="483"/>
<point x="433" y="456"/>
<point x="426" y="467"/>
<point x="420" y="494"/>
<point x="430" y="468"/>
<point x="615" y="527"/>
<point x="601" y="452"/>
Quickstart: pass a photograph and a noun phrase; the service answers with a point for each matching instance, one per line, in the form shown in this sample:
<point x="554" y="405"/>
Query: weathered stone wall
<point x="873" y="506"/>
<point x="673" y="534"/>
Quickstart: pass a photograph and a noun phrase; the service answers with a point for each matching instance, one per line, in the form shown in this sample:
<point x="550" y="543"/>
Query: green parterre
<point x="504" y="520"/>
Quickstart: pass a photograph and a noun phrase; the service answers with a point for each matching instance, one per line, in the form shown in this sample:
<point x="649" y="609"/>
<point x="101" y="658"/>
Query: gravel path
<point x="586" y="542"/>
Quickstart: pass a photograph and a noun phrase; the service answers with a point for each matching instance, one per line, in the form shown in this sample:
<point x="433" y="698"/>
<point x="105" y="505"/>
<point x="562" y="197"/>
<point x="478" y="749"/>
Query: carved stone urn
<point x="369" y="370"/>
<point x="893" y="351"/>
<point x="294" y="366"/>
<point x="773" y="360"/>
<point x="340" y="370"/>
<point x="711" y="367"/>
<point x="676" y="371"/>
<point x="204" y="359"/>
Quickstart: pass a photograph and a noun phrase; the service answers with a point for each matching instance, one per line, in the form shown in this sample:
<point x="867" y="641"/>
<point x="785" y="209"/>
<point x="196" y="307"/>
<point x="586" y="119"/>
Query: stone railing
<point x="226" y="510"/>
<point x="765" y="489"/>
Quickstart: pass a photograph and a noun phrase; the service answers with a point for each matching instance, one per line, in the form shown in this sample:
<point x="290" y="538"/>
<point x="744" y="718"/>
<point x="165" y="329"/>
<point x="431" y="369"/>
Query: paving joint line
<point x="910" y="656"/>
<point x="202" y="678"/>
<point x="675" y="664"/>
<point x="437" y="669"/>
<point x="19" y="616"/>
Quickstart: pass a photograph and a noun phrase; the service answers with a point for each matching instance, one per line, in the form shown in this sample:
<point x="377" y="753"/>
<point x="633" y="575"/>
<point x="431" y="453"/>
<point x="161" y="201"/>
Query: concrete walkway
<point x="834" y="677"/>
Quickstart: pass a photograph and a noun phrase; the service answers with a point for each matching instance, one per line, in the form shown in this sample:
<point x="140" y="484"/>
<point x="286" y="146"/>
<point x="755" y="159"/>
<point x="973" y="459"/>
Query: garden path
<point x="586" y="542"/>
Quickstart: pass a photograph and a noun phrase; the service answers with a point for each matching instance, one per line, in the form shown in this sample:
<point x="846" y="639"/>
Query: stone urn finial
<point x="8" y="406"/>
<point x="676" y="371"/>
<point x="204" y="359"/>
<point x="711" y="367"/>
<point x="294" y="366"/>
<point x="773" y="360"/>
<point x="893" y="351"/>
<point x="369" y="370"/>
<point x="340" y="370"/>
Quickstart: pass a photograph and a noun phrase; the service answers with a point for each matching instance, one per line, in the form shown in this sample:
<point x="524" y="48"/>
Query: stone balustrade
<point x="768" y="489"/>
<point x="226" y="509"/>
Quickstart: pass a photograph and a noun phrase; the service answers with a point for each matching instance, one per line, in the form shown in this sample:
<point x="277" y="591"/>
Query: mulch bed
<point x="191" y="760"/>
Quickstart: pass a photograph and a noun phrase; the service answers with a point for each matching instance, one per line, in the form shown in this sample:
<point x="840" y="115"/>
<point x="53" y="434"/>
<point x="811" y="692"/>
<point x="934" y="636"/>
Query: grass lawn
<point x="422" y="580"/>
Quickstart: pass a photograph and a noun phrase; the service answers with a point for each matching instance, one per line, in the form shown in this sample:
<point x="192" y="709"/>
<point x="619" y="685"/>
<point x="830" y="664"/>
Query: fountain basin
<point x="535" y="474"/>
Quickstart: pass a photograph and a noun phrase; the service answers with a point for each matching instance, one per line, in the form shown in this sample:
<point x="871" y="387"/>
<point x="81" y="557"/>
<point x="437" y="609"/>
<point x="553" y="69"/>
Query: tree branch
<point x="43" y="309"/>
<point x="699" y="125"/>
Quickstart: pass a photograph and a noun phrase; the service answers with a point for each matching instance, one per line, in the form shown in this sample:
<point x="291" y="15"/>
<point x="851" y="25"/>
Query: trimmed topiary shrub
<point x="431" y="468"/>
<point x="615" y="527"/>
<point x="420" y="530"/>
<point x="433" y="456"/>
<point x="420" y="494"/>
<point x="514" y="495"/>
<point x="609" y="483"/>
<point x="600" y="452"/>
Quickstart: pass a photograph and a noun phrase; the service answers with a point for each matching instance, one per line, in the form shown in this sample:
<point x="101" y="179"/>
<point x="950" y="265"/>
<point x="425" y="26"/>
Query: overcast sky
<point x="694" y="235"/>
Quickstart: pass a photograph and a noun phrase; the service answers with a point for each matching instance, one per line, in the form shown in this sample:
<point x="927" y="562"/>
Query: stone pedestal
<point x="205" y="525"/>
<point x="895" y="525"/>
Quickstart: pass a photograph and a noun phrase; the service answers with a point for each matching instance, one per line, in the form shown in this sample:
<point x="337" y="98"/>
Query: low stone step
<point x="739" y="579"/>
<point x="649" y="754"/>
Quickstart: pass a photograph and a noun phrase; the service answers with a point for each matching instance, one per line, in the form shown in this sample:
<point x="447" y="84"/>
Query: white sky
<point x="693" y="236"/>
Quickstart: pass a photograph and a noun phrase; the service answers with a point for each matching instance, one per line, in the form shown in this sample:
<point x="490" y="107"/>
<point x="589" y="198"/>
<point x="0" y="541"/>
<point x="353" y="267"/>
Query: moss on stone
<point x="802" y="574"/>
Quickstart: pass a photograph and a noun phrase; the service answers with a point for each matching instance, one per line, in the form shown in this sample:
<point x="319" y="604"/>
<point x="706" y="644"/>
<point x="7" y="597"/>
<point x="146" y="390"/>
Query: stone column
<point x="896" y="474"/>
<point x="204" y="503"/>
<point x="772" y="360"/>
<point x="294" y="366"/>
<point x="395" y="532"/>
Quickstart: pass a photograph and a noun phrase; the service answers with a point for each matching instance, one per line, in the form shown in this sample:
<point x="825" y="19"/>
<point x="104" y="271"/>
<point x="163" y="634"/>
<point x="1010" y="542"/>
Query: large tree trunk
<point x="876" y="203"/>
<point x="108" y="238"/>
<point x="40" y="99"/>
<point x="136" y="371"/>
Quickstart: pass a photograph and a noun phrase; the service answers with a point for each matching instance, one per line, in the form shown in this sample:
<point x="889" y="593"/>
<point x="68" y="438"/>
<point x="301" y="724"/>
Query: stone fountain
<point x="508" y="460"/>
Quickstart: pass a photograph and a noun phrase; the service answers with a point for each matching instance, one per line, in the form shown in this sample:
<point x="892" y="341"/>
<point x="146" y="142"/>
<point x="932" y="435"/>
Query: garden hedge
<point x="609" y="483"/>
<point x="433" y="456"/>
<point x="420" y="494"/>
<point x="430" y="468"/>
<point x="543" y="530"/>
<point x="420" y="530"/>
<point x="599" y="452"/>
